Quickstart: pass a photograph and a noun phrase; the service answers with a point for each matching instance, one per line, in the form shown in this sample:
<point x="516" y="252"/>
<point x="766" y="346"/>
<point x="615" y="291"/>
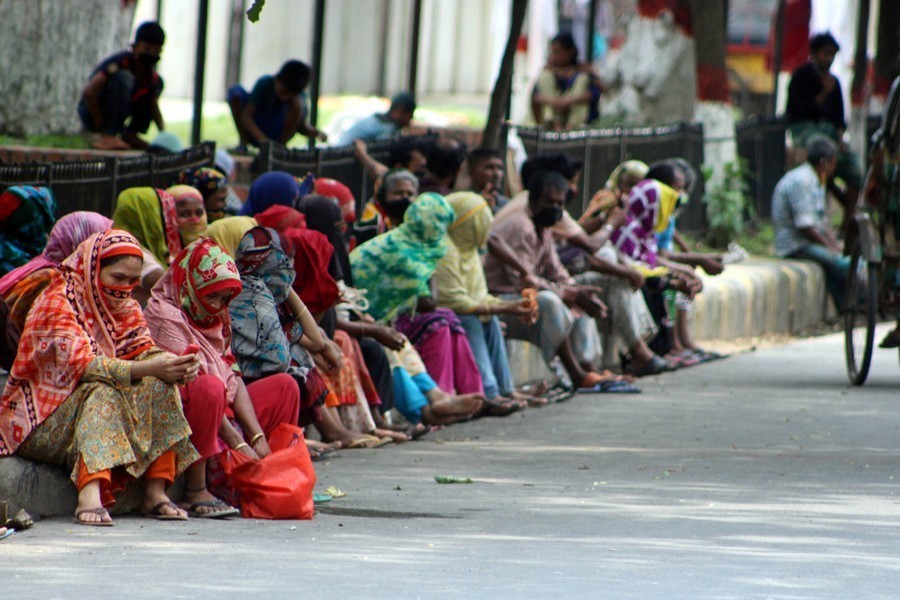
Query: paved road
<point x="762" y="476"/>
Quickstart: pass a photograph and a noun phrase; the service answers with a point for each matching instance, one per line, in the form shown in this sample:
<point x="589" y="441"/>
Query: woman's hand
<point x="261" y="447"/>
<point x="330" y="359"/>
<point x="387" y="337"/>
<point x="168" y="367"/>
<point x="246" y="450"/>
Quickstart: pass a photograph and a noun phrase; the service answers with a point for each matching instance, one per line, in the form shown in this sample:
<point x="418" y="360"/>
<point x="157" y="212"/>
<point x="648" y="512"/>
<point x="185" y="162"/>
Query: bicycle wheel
<point x="860" y="309"/>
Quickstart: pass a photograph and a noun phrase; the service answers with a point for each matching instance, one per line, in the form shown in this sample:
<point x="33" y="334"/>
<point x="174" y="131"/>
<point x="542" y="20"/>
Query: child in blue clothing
<point x="275" y="109"/>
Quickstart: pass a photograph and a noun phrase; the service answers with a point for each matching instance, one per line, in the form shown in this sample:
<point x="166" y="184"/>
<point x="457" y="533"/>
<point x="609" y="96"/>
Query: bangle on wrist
<point x="241" y="445"/>
<point x="256" y="437"/>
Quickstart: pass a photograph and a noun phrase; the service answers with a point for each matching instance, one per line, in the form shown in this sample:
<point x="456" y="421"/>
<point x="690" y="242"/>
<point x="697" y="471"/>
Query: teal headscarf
<point x="395" y="267"/>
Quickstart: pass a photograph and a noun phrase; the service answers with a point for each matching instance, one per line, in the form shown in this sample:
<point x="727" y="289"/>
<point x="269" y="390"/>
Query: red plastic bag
<point x="279" y="486"/>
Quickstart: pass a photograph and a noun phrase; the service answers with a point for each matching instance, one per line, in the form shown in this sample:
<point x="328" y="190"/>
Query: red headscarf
<point x="312" y="257"/>
<point x="179" y="314"/>
<point x="75" y="320"/>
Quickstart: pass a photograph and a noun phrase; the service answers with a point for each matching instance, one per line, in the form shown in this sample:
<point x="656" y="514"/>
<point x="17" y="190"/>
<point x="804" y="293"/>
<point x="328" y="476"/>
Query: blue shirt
<point x="373" y="128"/>
<point x="666" y="239"/>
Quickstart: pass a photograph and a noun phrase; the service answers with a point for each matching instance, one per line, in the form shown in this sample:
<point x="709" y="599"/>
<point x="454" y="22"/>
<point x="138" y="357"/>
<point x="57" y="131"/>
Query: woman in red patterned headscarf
<point x="90" y="389"/>
<point x="189" y="306"/>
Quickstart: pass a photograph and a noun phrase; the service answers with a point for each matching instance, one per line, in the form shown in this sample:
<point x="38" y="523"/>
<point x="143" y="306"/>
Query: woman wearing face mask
<point x="393" y="196"/>
<point x="213" y="188"/>
<point x="189" y="307"/>
<point x="90" y="389"/>
<point x="162" y="223"/>
<point x="396" y="269"/>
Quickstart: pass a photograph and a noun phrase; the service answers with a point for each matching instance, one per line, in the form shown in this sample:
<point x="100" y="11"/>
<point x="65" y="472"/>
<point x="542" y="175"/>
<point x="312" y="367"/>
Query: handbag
<point x="279" y="486"/>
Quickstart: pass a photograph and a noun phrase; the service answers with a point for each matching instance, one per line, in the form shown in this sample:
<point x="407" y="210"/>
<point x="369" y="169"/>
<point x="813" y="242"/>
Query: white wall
<point x="456" y="54"/>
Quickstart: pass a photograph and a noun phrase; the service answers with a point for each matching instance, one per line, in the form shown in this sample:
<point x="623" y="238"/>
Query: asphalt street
<point x="760" y="476"/>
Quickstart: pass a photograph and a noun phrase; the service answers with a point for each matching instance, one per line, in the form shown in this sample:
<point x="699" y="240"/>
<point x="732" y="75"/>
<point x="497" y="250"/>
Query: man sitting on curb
<point x="382" y="126"/>
<point x="798" y="215"/>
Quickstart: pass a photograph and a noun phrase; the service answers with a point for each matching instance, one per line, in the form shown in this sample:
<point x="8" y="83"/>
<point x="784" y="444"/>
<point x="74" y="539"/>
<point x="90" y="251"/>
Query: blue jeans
<point x="489" y="350"/>
<point x="836" y="267"/>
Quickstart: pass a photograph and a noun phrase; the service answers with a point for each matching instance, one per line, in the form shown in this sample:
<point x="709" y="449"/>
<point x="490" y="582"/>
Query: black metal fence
<point x="337" y="163"/>
<point x="761" y="145"/>
<point x="600" y="150"/>
<point x="94" y="184"/>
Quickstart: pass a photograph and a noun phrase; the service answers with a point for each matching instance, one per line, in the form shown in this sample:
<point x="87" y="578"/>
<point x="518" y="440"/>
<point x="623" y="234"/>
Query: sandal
<point x="500" y="408"/>
<point x="222" y="511"/>
<point x="6" y="533"/>
<point x="418" y="430"/>
<point x="611" y="387"/>
<point x="654" y="366"/>
<point x="96" y="511"/>
<point x="156" y="512"/>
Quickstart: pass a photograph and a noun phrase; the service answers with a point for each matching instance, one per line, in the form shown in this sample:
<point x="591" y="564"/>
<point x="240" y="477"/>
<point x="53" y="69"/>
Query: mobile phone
<point x="191" y="349"/>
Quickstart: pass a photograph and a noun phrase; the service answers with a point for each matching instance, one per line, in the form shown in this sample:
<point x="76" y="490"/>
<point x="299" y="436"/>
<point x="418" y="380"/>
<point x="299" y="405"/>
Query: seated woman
<point x="164" y="222"/>
<point x="228" y="232"/>
<point x="395" y="269"/>
<point x="213" y="187"/>
<point x="21" y="287"/>
<point x="26" y="215"/>
<point x="189" y="306"/>
<point x="618" y="186"/>
<point x="270" y="189"/>
<point x="397" y="190"/>
<point x="90" y="390"/>
<point x="269" y="339"/>
<point x="462" y="288"/>
<point x="353" y="399"/>
<point x="566" y="92"/>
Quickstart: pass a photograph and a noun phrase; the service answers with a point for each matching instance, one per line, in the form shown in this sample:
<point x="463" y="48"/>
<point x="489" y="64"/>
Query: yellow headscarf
<point x="459" y="275"/>
<point x="668" y="202"/>
<point x="228" y="232"/>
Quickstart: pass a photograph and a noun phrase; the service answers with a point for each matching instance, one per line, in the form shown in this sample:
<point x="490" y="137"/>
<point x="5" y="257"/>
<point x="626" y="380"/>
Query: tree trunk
<point x="713" y="107"/>
<point x="858" y="95"/>
<point x="500" y="95"/>
<point x="51" y="48"/>
<point x="887" y="61"/>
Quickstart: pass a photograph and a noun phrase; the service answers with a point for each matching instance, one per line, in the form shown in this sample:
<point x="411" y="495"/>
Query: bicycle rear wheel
<point x="860" y="311"/>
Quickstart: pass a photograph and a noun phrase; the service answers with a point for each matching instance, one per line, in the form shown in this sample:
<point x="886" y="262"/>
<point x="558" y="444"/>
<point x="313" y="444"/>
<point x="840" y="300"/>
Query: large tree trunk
<point x="858" y="95"/>
<point x="713" y="109"/>
<point x="51" y="46"/>
<point x="503" y="87"/>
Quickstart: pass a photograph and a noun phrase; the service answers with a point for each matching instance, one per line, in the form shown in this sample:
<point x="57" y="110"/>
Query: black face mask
<point x="396" y="209"/>
<point x="148" y="60"/>
<point x="548" y="217"/>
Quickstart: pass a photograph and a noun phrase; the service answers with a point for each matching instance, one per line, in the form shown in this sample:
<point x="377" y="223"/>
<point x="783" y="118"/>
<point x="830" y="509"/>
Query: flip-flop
<point x="97" y="511"/>
<point x="156" y="512"/>
<point x="366" y="441"/>
<point x="222" y="511"/>
<point x="418" y="430"/>
<point x="317" y="455"/>
<point x="6" y="534"/>
<point x="322" y="498"/>
<point x="500" y="408"/>
<point x="611" y="387"/>
<point x="385" y="441"/>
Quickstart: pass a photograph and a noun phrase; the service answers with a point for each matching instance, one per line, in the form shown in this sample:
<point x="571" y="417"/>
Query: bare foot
<point x="444" y="409"/>
<point x="398" y="437"/>
<point x="323" y="446"/>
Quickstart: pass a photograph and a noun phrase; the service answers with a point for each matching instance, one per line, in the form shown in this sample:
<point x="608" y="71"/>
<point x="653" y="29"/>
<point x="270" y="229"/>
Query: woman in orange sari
<point x="89" y="388"/>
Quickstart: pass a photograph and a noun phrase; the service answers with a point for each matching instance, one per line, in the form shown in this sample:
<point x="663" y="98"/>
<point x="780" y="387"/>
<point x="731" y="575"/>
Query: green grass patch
<point x="76" y="141"/>
<point x="757" y="239"/>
